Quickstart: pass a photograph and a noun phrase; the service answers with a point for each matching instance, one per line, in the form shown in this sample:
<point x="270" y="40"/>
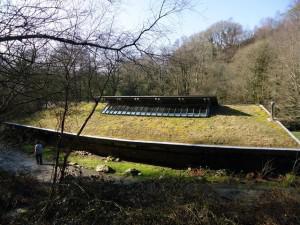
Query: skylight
<point x="160" y="106"/>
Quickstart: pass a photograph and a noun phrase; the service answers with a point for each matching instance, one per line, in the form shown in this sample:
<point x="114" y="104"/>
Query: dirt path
<point x="13" y="160"/>
<point x="17" y="162"/>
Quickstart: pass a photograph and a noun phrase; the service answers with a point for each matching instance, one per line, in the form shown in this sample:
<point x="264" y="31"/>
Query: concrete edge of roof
<point x="282" y="126"/>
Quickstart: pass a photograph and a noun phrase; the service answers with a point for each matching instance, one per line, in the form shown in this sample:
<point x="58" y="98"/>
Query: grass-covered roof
<point x="244" y="125"/>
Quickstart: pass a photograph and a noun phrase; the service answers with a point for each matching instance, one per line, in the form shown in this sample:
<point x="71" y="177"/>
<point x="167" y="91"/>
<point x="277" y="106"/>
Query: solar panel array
<point x="159" y="111"/>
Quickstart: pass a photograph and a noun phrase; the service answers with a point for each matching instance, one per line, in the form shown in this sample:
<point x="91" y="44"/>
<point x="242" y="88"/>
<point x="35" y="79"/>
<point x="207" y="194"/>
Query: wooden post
<point x="273" y="110"/>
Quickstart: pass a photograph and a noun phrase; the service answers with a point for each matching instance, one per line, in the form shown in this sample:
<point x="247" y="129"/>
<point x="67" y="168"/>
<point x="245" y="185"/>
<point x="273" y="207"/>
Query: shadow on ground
<point x="84" y="200"/>
<point x="227" y="111"/>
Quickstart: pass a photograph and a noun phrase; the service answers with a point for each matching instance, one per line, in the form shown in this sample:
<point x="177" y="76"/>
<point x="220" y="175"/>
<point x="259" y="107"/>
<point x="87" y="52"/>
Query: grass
<point x="289" y="180"/>
<point x="151" y="172"/>
<point x="147" y="171"/>
<point x="48" y="153"/>
<point x="91" y="162"/>
<point x="245" y="125"/>
<point x="297" y="134"/>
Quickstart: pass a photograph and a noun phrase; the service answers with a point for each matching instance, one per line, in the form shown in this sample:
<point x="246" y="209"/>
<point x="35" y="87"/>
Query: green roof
<point x="242" y="125"/>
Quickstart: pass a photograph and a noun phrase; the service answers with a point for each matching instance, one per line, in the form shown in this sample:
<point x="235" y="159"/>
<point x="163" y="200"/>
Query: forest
<point x="237" y="65"/>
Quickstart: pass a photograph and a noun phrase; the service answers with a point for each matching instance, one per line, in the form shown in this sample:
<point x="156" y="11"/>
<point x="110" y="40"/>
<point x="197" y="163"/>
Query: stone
<point x="112" y="159"/>
<point x="82" y="153"/>
<point x="109" y="159"/>
<point x="132" y="172"/>
<point x="104" y="169"/>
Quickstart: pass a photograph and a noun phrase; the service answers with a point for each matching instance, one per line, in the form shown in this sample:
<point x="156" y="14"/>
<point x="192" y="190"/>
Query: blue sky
<point x="249" y="13"/>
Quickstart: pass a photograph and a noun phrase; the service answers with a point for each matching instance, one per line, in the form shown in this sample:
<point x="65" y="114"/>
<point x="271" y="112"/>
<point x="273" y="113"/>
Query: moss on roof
<point x="244" y="125"/>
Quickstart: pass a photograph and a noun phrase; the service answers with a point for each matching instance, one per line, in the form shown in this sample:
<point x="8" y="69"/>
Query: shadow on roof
<point x="227" y="111"/>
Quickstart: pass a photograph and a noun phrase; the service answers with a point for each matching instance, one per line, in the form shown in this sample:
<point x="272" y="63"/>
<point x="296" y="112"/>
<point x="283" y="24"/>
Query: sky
<point x="249" y="13"/>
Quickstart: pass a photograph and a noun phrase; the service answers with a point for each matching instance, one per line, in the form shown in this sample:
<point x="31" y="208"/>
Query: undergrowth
<point x="167" y="201"/>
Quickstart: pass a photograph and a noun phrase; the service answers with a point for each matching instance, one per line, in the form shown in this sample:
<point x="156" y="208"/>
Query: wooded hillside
<point x="236" y="65"/>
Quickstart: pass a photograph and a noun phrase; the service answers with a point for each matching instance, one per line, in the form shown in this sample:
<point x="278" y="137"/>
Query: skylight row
<point x="160" y="111"/>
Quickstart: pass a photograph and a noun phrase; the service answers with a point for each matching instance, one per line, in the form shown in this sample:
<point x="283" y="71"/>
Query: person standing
<point x="38" y="151"/>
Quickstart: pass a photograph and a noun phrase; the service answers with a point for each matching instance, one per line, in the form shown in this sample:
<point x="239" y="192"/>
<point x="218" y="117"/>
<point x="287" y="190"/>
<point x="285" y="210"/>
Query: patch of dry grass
<point x="245" y="125"/>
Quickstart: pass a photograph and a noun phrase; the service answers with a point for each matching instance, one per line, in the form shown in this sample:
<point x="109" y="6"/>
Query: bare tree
<point x="89" y="26"/>
<point x="226" y="36"/>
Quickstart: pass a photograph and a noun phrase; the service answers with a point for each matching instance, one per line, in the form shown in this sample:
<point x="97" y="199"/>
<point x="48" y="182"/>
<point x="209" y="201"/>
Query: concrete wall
<point x="166" y="153"/>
